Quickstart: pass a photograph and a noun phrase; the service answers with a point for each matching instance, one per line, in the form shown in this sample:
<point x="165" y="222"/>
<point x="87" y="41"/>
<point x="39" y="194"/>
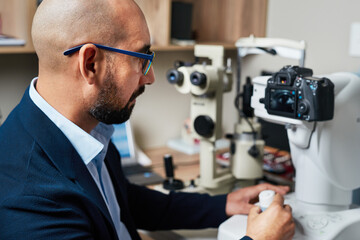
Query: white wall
<point x="325" y="27"/>
<point x="323" y="24"/>
<point x="160" y="111"/>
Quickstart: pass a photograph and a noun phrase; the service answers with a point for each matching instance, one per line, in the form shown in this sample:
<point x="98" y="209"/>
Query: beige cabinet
<point x="16" y="19"/>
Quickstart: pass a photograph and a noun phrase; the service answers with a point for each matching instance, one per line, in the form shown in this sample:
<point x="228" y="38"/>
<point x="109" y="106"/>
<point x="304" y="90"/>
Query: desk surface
<point x="186" y="167"/>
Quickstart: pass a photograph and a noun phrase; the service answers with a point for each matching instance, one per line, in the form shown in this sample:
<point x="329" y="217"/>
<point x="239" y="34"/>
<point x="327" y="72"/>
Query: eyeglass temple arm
<point x="72" y="50"/>
<point x="134" y="54"/>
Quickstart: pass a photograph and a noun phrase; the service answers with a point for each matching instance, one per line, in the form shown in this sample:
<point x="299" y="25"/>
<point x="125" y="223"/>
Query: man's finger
<point x="287" y="208"/>
<point x="283" y="189"/>
<point x="279" y="189"/>
<point x="254" y="212"/>
<point x="247" y="207"/>
<point x="278" y="199"/>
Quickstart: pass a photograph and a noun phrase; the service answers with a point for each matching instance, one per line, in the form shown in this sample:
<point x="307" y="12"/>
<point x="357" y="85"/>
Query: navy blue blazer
<point x="46" y="191"/>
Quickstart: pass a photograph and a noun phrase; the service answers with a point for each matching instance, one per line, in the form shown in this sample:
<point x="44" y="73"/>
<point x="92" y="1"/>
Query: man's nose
<point x="149" y="78"/>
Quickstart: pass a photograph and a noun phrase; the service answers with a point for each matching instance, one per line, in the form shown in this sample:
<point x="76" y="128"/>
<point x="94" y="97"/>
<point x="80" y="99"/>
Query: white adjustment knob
<point x="265" y="199"/>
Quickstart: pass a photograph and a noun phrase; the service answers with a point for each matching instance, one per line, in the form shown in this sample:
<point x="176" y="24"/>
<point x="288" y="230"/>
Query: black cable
<point x="253" y="151"/>
<point x="270" y="51"/>
<point x="242" y="114"/>
<point x="313" y="130"/>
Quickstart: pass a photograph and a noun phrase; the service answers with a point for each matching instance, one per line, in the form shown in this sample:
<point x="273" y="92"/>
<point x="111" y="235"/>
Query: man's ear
<point x="89" y="62"/>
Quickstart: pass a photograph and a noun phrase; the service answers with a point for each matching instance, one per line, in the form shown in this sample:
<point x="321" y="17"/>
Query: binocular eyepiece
<point x="175" y="76"/>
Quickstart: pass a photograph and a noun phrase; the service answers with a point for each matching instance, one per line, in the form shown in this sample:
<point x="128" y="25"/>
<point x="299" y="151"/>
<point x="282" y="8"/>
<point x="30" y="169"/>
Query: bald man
<point x="60" y="175"/>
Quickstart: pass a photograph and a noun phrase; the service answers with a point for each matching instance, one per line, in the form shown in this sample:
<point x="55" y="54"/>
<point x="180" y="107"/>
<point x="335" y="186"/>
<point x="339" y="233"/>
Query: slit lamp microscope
<point x="206" y="84"/>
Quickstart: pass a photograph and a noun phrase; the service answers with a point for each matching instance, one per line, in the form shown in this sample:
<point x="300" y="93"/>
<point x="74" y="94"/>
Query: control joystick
<point x="171" y="183"/>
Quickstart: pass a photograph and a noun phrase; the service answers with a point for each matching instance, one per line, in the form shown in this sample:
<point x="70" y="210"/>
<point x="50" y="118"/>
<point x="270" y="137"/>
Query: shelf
<point x="215" y="22"/>
<point x="159" y="48"/>
<point x="17" y="18"/>
<point x="220" y="21"/>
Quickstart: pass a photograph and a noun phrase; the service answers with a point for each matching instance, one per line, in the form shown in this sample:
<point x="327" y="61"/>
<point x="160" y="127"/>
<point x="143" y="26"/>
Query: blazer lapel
<point x="60" y="151"/>
<point x="113" y="164"/>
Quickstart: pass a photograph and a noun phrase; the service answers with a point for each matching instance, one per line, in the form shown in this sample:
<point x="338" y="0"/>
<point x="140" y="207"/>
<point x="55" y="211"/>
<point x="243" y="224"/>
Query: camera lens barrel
<point x="198" y="79"/>
<point x="175" y="77"/>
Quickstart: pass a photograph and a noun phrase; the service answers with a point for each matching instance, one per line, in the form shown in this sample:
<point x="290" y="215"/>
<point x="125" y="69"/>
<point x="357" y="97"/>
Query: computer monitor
<point x="124" y="142"/>
<point x="133" y="160"/>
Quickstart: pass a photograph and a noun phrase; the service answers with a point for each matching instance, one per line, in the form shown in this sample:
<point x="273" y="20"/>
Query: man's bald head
<point x="59" y="25"/>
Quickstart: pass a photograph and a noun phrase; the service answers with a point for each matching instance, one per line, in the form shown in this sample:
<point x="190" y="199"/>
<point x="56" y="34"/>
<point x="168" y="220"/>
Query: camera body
<point x="294" y="93"/>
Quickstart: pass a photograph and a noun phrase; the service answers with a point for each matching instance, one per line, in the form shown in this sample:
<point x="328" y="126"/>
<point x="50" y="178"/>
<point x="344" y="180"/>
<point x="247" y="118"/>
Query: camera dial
<point x="303" y="108"/>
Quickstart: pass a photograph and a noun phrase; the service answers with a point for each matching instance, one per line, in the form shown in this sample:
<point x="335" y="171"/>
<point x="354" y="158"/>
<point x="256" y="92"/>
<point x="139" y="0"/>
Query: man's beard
<point x="106" y="109"/>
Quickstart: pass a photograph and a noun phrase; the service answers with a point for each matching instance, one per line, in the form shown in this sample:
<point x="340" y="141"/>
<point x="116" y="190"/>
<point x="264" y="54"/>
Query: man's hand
<point x="241" y="201"/>
<point x="275" y="223"/>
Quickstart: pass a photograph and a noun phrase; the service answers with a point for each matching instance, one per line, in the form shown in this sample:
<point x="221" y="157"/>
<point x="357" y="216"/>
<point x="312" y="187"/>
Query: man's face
<point x="124" y="79"/>
<point x="107" y="108"/>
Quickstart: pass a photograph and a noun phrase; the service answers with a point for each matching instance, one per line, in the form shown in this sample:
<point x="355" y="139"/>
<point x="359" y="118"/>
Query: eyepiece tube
<point x="175" y="77"/>
<point x="198" y="79"/>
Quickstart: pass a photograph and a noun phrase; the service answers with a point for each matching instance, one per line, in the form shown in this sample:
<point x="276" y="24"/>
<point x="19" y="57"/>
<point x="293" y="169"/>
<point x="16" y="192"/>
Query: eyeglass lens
<point x="146" y="65"/>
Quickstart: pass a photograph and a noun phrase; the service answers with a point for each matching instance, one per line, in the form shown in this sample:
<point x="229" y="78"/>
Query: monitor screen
<point x="123" y="141"/>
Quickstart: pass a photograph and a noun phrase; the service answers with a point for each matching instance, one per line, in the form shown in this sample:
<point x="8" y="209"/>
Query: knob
<point x="303" y="108"/>
<point x="265" y="199"/>
<point x="204" y="126"/>
<point x="198" y="79"/>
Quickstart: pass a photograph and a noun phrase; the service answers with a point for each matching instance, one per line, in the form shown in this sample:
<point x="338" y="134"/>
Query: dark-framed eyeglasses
<point x="148" y="57"/>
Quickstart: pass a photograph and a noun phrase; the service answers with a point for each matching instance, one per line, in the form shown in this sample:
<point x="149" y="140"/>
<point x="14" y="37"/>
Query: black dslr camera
<point x="293" y="92"/>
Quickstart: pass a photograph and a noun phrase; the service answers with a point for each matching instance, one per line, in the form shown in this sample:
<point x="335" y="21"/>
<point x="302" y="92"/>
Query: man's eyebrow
<point x="145" y="48"/>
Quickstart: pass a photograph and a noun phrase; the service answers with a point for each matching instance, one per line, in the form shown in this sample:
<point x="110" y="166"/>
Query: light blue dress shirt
<point x="92" y="149"/>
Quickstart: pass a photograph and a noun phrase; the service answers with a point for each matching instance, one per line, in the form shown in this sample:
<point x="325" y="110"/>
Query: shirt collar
<point x="87" y="145"/>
